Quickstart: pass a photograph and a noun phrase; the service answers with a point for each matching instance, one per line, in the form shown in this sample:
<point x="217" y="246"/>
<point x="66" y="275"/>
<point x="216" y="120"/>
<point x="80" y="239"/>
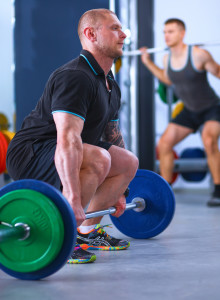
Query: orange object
<point x="3" y="152"/>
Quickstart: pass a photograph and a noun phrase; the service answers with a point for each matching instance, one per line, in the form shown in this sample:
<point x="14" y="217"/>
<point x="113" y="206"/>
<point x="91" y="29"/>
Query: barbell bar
<point x="138" y="204"/>
<point x="163" y="49"/>
<point x="41" y="224"/>
<point x="192" y="164"/>
<point x="187" y="165"/>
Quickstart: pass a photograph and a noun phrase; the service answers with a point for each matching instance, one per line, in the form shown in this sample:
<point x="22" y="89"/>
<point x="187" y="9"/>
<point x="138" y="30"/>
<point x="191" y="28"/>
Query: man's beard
<point x="111" y="53"/>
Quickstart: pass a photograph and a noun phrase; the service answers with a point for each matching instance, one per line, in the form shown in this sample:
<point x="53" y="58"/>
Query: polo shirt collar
<point x="93" y="63"/>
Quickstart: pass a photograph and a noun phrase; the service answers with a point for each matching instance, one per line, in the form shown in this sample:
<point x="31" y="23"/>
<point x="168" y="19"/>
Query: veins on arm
<point x="112" y="134"/>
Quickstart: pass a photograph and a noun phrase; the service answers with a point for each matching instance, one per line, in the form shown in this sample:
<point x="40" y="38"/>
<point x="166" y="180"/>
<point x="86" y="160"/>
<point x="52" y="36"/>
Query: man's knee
<point x="210" y="136"/>
<point x="134" y="163"/>
<point x="131" y="163"/>
<point x="163" y="145"/>
<point x="210" y="143"/>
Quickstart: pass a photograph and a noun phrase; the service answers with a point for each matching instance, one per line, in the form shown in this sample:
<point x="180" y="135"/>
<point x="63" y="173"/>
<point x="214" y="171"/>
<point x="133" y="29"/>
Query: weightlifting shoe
<point x="81" y="256"/>
<point x="98" y="239"/>
<point x="214" y="201"/>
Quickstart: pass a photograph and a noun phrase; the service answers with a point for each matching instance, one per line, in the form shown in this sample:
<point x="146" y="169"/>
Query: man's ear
<point x="90" y="34"/>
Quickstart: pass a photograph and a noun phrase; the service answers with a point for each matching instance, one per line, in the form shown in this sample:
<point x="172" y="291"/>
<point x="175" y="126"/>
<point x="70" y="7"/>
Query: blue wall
<point x="45" y="37"/>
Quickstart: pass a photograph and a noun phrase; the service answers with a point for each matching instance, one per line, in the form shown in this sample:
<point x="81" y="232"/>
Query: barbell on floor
<point x="187" y="165"/>
<point x="38" y="227"/>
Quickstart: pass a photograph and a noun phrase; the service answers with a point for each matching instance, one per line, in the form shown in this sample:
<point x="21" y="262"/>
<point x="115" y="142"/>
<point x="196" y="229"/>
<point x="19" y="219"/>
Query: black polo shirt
<point x="77" y="88"/>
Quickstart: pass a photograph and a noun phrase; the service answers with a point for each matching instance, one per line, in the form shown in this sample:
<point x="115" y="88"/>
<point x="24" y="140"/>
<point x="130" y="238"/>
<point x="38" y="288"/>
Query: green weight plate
<point x="46" y="233"/>
<point x="162" y="91"/>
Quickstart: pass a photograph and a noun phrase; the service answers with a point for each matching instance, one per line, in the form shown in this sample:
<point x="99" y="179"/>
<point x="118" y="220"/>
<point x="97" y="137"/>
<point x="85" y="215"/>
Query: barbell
<point x="192" y="164"/>
<point x="38" y="227"/>
<point x="163" y="49"/>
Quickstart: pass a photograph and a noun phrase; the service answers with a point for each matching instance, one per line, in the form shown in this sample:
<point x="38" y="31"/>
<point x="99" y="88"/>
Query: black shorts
<point x="42" y="166"/>
<point x="194" y="120"/>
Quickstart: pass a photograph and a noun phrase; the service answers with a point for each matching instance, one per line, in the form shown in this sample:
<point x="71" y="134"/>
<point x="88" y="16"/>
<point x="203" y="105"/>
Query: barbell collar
<point x="19" y="231"/>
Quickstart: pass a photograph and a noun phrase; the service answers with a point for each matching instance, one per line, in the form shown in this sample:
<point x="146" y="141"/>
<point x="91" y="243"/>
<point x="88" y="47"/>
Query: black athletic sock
<point x="216" y="192"/>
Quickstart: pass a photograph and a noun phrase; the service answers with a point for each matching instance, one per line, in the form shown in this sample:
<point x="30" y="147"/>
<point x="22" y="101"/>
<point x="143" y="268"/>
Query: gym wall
<point x="36" y="36"/>
<point x="7" y="106"/>
<point x="45" y="38"/>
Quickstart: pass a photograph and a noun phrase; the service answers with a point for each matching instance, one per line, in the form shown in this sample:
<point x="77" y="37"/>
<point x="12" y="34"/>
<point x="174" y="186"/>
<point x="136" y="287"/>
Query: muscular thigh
<point x="121" y="160"/>
<point x="42" y="166"/>
<point x="174" y="133"/>
<point x="92" y="154"/>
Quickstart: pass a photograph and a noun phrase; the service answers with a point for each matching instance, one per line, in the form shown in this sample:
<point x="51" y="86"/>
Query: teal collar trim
<point x="89" y="64"/>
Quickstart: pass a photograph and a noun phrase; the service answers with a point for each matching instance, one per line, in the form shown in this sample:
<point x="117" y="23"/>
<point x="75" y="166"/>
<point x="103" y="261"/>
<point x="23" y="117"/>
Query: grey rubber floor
<point x="183" y="262"/>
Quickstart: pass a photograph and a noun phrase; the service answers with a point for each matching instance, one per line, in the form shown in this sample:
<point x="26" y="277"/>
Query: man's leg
<point x="123" y="169"/>
<point x="95" y="168"/>
<point x="210" y="137"/>
<point x="124" y="165"/>
<point x="173" y="134"/>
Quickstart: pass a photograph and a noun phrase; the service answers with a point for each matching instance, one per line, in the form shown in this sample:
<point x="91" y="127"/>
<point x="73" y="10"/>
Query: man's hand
<point x="145" y="57"/>
<point x="77" y="209"/>
<point x="120" y="207"/>
<point x="79" y="214"/>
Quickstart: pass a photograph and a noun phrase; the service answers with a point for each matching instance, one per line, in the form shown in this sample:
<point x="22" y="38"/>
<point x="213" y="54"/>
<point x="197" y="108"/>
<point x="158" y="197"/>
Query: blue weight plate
<point x="193" y="153"/>
<point x="159" y="211"/>
<point x="68" y="221"/>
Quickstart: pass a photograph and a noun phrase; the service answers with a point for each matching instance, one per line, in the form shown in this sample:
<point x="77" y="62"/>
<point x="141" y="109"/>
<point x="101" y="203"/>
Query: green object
<point x="11" y="233"/>
<point x="162" y="91"/>
<point x="46" y="230"/>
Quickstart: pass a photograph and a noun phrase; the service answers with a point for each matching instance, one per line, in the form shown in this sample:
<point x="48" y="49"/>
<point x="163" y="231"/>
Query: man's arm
<point x="154" y="69"/>
<point x="205" y="61"/>
<point x="211" y="66"/>
<point x="112" y="134"/>
<point x="68" y="158"/>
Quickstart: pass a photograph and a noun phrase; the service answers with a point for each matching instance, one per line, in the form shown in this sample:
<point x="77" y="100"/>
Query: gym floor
<point x="180" y="263"/>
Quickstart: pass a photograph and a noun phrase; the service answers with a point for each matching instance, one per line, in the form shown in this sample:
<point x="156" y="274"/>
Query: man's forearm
<point x="68" y="160"/>
<point x="113" y="135"/>
<point x="156" y="71"/>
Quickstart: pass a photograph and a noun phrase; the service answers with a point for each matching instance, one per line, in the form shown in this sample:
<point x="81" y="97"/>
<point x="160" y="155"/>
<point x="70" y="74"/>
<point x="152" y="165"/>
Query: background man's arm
<point x="210" y="65"/>
<point x="153" y="68"/>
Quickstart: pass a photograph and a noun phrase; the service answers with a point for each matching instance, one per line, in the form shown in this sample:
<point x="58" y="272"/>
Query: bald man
<point x="72" y="138"/>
